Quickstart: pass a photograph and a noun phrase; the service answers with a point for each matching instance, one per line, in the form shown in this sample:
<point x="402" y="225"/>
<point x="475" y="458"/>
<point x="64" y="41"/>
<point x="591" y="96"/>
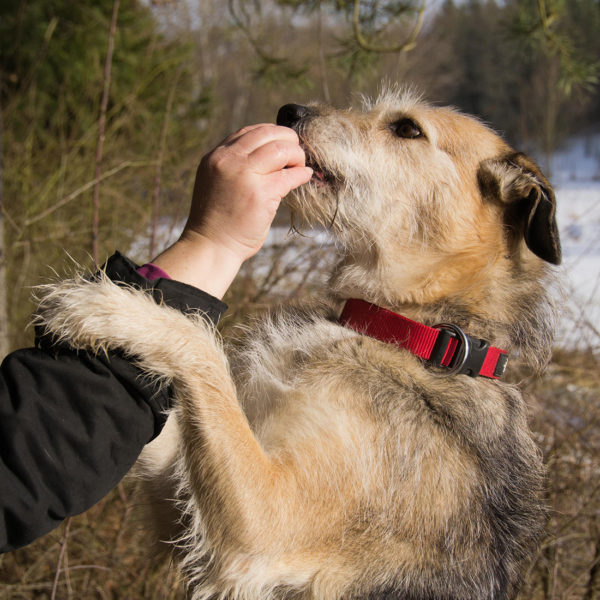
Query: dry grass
<point x="104" y="555"/>
<point x="566" y="421"/>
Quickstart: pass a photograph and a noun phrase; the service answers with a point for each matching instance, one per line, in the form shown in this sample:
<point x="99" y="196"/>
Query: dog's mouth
<point x="317" y="202"/>
<point x="321" y="176"/>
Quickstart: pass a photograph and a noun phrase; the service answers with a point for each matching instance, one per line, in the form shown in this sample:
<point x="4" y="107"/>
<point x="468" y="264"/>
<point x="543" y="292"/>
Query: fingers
<point x="232" y="137"/>
<point x="240" y="183"/>
<point x="284" y="181"/>
<point x="250" y="138"/>
<point x="275" y="155"/>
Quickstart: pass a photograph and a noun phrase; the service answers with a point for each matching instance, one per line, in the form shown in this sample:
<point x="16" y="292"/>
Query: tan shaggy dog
<point x="316" y="462"/>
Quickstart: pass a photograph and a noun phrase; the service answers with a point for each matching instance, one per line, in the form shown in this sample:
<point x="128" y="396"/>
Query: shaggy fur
<point x="316" y="463"/>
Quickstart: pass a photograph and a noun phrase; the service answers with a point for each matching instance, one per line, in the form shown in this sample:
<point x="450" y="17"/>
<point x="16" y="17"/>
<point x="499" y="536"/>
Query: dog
<point x="321" y="458"/>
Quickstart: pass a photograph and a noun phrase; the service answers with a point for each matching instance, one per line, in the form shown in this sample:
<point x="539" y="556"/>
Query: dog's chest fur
<point x="302" y="353"/>
<point x="275" y="358"/>
<point x="313" y="390"/>
<point x="304" y="357"/>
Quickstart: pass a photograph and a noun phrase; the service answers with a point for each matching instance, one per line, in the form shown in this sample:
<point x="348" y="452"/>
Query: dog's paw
<point x="99" y="316"/>
<point x="94" y="314"/>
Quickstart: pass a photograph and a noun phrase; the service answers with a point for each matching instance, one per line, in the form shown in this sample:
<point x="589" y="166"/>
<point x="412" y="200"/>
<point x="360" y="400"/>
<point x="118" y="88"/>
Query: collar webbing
<point x="444" y="345"/>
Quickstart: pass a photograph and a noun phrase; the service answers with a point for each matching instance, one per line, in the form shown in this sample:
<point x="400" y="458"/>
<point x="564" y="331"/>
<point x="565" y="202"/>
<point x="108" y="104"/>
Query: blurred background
<point x="106" y="107"/>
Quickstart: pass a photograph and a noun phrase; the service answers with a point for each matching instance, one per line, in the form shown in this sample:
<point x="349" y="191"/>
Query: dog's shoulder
<point x="296" y="329"/>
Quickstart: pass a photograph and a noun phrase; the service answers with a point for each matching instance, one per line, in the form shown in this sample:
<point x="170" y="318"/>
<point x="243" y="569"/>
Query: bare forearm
<point x="198" y="261"/>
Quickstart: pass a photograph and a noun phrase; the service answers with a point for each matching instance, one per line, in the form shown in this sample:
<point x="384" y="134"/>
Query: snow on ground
<point x="575" y="173"/>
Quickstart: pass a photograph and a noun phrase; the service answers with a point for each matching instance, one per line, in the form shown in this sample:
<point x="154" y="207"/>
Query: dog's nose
<point x="290" y="114"/>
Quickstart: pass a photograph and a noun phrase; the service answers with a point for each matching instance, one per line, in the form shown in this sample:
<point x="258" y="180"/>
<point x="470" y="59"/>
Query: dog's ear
<point x="518" y="184"/>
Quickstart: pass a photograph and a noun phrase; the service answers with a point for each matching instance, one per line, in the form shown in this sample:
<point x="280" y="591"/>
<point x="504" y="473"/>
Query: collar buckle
<point x="469" y="355"/>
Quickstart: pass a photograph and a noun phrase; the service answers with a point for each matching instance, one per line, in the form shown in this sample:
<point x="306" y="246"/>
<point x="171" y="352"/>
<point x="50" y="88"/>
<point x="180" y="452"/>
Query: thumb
<point x="284" y="181"/>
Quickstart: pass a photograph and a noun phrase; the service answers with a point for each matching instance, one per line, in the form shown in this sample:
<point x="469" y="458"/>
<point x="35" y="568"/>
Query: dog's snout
<point x="290" y="115"/>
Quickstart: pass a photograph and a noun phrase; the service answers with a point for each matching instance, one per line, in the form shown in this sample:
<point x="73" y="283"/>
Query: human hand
<point x="238" y="188"/>
<point x="240" y="184"/>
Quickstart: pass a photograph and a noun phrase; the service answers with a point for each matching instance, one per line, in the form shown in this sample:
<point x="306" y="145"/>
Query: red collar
<point x="444" y="345"/>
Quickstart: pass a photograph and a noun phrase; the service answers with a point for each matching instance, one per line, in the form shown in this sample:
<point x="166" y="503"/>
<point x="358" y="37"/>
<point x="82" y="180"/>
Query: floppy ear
<point x="518" y="184"/>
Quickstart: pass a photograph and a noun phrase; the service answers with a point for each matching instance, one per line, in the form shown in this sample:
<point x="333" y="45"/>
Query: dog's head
<point x="429" y="205"/>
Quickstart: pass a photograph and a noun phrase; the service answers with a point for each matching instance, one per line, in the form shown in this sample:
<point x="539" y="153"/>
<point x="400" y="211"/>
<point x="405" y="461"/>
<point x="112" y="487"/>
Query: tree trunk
<point x="159" y="163"/>
<point x="4" y="329"/>
<point x="101" y="129"/>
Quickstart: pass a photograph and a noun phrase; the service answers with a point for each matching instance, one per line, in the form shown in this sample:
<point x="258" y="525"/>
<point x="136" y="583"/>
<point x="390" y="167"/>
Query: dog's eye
<point x="407" y="128"/>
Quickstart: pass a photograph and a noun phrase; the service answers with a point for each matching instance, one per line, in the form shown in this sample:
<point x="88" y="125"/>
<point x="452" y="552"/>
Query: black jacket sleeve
<point x="72" y="424"/>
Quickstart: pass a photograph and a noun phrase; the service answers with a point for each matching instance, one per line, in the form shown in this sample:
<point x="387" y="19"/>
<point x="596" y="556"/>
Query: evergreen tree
<point x="52" y="58"/>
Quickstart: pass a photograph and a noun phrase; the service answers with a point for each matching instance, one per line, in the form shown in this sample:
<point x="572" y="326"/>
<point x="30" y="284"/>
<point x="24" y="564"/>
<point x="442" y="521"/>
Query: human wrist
<point x="199" y="261"/>
<point x="151" y="272"/>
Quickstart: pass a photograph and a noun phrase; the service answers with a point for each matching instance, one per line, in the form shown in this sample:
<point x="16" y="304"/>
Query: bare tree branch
<point x="3" y="304"/>
<point x="63" y="549"/>
<point x="84" y="188"/>
<point x="101" y="129"/>
<point x="159" y="162"/>
<point x="322" y="64"/>
<point x="405" y="46"/>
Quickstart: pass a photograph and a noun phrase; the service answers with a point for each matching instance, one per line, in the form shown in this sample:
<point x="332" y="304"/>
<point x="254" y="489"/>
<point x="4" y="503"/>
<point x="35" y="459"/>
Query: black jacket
<point x="73" y="424"/>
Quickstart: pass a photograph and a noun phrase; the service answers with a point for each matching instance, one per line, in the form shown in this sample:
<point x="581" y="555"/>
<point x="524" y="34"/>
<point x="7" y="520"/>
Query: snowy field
<point x="575" y="174"/>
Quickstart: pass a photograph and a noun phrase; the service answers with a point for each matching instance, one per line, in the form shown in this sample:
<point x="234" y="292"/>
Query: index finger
<point x="276" y="155"/>
<point x="240" y="132"/>
<point x="261" y="135"/>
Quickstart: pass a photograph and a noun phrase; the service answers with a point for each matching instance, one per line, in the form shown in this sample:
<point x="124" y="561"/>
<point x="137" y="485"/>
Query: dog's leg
<point x="231" y="479"/>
